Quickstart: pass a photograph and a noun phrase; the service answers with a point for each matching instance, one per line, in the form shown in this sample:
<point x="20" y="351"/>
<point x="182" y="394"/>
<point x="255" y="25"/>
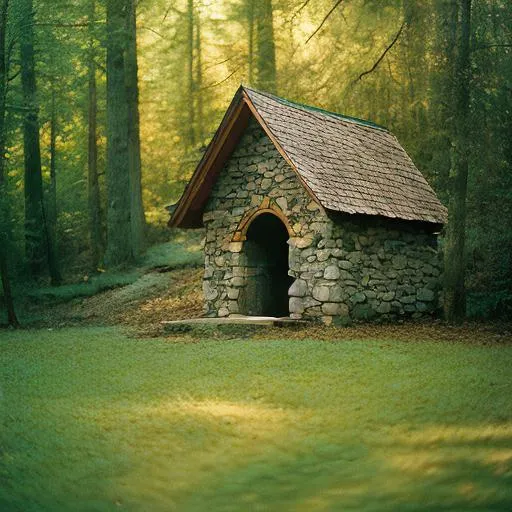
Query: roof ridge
<point x="303" y="106"/>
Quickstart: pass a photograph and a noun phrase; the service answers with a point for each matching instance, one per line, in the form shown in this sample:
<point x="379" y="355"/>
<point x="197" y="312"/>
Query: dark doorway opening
<point x="266" y="256"/>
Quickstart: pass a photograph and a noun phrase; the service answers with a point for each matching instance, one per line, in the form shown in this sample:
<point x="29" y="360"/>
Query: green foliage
<point x="90" y="286"/>
<point x="181" y="252"/>
<point x="490" y="304"/>
<point x="104" y="421"/>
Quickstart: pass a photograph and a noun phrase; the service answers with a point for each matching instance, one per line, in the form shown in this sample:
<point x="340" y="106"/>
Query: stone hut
<point x="312" y="215"/>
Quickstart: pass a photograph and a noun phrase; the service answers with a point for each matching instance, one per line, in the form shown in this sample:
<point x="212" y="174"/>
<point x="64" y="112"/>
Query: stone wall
<point x="365" y="268"/>
<point x="345" y="267"/>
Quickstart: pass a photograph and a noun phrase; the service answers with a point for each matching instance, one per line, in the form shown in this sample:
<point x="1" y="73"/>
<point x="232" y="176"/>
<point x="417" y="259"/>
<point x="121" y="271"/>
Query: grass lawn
<point x="91" y="419"/>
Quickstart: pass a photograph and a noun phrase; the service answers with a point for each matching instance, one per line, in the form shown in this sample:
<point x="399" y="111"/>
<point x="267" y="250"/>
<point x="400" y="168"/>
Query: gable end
<point x="189" y="210"/>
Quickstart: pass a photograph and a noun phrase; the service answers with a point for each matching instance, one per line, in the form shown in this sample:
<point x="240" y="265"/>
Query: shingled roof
<point x="347" y="165"/>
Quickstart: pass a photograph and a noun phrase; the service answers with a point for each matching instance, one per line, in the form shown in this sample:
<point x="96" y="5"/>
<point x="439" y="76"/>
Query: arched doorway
<point x="266" y="259"/>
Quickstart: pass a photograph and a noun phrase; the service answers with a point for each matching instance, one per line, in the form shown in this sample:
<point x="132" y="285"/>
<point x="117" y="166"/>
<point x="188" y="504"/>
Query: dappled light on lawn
<point x="237" y="413"/>
<point x="445" y="434"/>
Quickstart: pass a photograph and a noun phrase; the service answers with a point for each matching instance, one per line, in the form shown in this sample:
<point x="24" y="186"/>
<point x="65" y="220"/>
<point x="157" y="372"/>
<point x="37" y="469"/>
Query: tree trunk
<point x="250" y="39"/>
<point x="93" y="188"/>
<point x="34" y="221"/>
<point x="190" y="74"/>
<point x="266" y="58"/>
<point x="442" y="83"/>
<point x="138" y="219"/>
<point x="12" y="319"/>
<point x="199" y="80"/>
<point x="454" y="293"/>
<point x="51" y="217"/>
<point x="4" y="210"/>
<point x="4" y="5"/>
<point x="119" y="230"/>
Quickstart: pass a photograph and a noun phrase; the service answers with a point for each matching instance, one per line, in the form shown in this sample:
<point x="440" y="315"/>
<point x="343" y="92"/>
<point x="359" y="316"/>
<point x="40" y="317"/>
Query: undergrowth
<point x="181" y="252"/>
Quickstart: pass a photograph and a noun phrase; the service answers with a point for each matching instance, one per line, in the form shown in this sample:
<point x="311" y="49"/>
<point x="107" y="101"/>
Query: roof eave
<point x="180" y="219"/>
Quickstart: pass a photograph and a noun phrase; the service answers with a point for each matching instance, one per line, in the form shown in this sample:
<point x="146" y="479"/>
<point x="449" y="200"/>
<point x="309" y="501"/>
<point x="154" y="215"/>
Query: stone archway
<point x="266" y="206"/>
<point x="265" y="251"/>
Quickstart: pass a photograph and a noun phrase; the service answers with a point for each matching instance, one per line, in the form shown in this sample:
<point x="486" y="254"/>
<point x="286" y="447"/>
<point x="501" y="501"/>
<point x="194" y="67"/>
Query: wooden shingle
<point x="359" y="167"/>
<point x="347" y="165"/>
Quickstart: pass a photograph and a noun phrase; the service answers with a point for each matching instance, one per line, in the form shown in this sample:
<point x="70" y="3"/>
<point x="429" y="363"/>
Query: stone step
<point x="229" y="325"/>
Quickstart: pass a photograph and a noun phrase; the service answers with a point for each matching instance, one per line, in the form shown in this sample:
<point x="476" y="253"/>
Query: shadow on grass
<point x="355" y="475"/>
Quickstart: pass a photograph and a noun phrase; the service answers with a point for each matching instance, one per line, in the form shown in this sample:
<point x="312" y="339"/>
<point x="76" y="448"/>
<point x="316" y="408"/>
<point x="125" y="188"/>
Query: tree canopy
<point x="106" y="106"/>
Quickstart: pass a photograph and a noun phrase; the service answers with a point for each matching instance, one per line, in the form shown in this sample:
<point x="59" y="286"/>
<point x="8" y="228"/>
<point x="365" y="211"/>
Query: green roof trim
<point x="302" y="106"/>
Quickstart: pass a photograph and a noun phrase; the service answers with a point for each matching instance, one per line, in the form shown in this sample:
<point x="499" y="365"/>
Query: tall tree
<point x="119" y="227"/>
<point x="34" y="216"/>
<point x="191" y="132"/>
<point x="199" y="78"/>
<point x="12" y="318"/>
<point x="441" y="87"/>
<point x="138" y="220"/>
<point x="5" y="229"/>
<point x="266" y="55"/>
<point x="93" y="187"/>
<point x="454" y="293"/>
<point x="4" y="7"/>
<point x="249" y="10"/>
<point x="51" y="210"/>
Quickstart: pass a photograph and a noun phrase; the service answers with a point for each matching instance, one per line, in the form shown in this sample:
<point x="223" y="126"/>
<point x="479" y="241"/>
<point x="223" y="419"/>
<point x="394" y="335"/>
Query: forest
<point x="106" y="107"/>
<point x="130" y="379"/>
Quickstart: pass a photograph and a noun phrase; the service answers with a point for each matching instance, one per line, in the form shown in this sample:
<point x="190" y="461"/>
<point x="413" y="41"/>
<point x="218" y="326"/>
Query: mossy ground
<point x="92" y="419"/>
<point x="164" y="285"/>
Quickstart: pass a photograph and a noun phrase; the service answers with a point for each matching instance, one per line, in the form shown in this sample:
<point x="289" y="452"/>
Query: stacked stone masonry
<point x="345" y="268"/>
